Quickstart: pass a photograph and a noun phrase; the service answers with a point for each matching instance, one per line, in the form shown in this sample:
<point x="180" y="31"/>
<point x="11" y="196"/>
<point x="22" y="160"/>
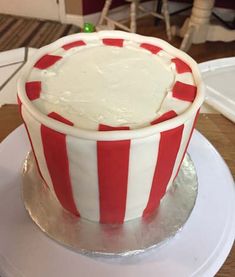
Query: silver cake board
<point x="132" y="237"/>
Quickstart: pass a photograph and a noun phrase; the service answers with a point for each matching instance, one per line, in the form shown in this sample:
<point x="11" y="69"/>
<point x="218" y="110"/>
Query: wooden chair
<point x="106" y="22"/>
<point x="198" y="29"/>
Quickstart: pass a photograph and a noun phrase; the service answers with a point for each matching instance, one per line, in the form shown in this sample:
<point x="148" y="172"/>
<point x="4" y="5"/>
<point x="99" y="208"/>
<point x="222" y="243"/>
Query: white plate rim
<point x="207" y="66"/>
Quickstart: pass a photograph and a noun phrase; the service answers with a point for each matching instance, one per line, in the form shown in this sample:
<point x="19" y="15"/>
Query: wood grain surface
<point x="216" y="128"/>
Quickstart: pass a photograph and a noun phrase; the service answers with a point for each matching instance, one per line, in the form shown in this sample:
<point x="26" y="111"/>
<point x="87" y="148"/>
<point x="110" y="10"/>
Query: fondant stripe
<point x="30" y="140"/>
<point x="113" y="164"/>
<point x="82" y="156"/>
<point x="36" y="160"/>
<point x="19" y="103"/>
<point x="142" y="162"/>
<point x="33" y="128"/>
<point x="47" y="61"/>
<point x="54" y="146"/>
<point x="168" y="148"/>
<point x="152" y="48"/>
<point x="186" y="133"/>
<point x="181" y="67"/>
<point x="113" y="42"/>
<point x="58" y="117"/>
<point x="184" y="91"/>
<point x="73" y="44"/>
<point x="164" y="117"/>
<point x="191" y="132"/>
<point x="33" y="89"/>
<point x="103" y="127"/>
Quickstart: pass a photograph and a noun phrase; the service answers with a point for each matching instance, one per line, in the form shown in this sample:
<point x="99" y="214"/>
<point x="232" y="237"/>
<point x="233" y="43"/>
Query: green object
<point x="88" y="28"/>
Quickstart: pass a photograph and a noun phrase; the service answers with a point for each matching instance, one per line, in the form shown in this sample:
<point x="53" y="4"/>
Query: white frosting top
<point x="115" y="86"/>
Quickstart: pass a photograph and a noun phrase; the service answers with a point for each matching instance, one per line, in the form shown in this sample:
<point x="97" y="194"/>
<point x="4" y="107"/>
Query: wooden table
<point x="216" y="128"/>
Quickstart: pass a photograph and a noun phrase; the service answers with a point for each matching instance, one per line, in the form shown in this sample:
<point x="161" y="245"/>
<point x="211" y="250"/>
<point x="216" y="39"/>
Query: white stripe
<point x="142" y="163"/>
<point x="185" y="136"/>
<point x="170" y="103"/>
<point x="186" y="78"/>
<point x="34" y="128"/>
<point x="82" y="156"/>
<point x="35" y="75"/>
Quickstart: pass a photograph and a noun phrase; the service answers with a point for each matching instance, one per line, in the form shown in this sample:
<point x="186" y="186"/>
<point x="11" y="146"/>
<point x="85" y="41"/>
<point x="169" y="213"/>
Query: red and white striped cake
<point x="109" y="116"/>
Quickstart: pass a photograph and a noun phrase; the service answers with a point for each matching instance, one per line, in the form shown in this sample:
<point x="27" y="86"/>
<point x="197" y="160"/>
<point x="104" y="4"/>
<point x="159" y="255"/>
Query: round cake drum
<point x="92" y="238"/>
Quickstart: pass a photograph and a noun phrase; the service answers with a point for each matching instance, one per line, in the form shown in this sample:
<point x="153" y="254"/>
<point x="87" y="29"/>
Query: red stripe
<point x="33" y="90"/>
<point x="152" y="48"/>
<point x="168" y="149"/>
<point x="184" y="91"/>
<point x="58" y="117"/>
<point x="73" y="44"/>
<point x="19" y="102"/>
<point x="164" y="117"/>
<point x="103" y="127"/>
<point x="191" y="132"/>
<point x="54" y="146"/>
<point x="113" y="163"/>
<point x="181" y="67"/>
<point x="113" y="42"/>
<point x="47" y="61"/>
<point x="30" y="140"/>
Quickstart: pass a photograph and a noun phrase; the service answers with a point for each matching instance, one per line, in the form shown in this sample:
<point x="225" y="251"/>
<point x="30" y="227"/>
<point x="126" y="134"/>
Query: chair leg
<point x="188" y="39"/>
<point x="133" y="11"/>
<point x="104" y="11"/>
<point x="167" y="18"/>
<point x="158" y="9"/>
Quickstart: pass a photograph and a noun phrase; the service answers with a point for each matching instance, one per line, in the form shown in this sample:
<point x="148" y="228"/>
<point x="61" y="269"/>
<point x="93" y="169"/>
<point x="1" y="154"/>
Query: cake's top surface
<point x="110" y="82"/>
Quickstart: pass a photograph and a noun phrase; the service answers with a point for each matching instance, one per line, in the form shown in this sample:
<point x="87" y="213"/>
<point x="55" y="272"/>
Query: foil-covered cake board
<point x="92" y="238"/>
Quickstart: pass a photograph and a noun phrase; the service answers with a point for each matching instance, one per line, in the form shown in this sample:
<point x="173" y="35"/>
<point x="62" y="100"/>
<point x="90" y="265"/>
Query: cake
<point x="109" y="116"/>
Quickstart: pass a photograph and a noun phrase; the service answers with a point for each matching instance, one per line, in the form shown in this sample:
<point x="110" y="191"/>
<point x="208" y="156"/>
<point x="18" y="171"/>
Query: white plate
<point x="198" y="250"/>
<point x="219" y="77"/>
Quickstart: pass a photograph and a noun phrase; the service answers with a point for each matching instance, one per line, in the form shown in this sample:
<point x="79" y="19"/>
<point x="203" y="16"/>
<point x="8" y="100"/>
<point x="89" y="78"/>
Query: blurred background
<point x="37" y="23"/>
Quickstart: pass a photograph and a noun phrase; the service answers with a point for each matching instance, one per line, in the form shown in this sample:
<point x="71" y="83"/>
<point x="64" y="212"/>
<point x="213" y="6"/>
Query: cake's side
<point x="113" y="174"/>
<point x="109" y="181"/>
